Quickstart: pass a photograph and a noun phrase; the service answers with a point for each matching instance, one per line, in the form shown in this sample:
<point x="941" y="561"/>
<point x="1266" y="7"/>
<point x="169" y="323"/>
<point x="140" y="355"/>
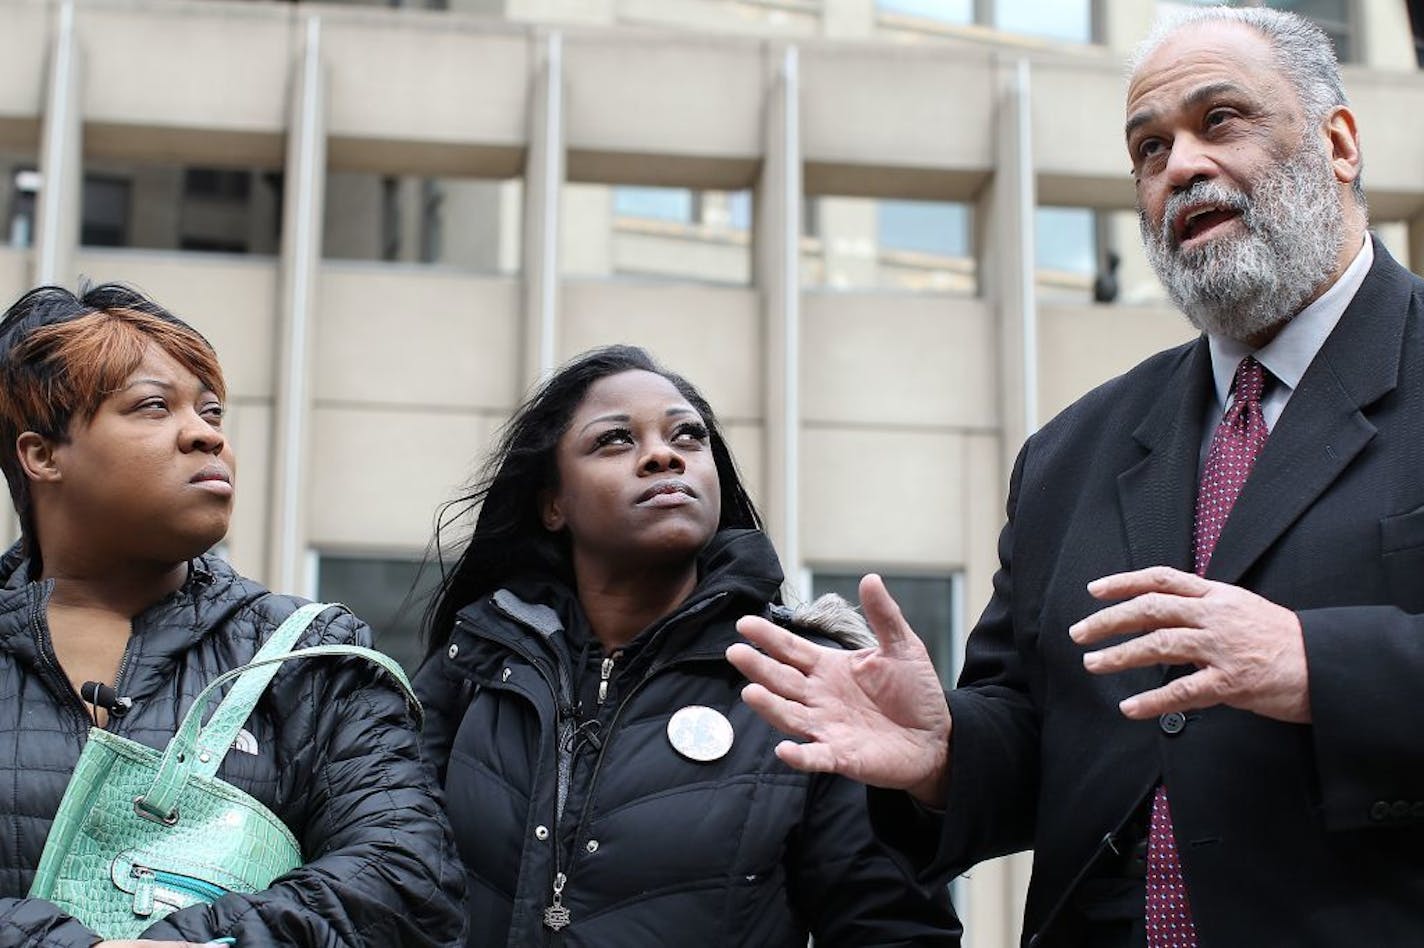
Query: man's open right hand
<point x="876" y="715"/>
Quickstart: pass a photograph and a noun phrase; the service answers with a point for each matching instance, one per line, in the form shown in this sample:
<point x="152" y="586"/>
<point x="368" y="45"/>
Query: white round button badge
<point x="700" y="733"/>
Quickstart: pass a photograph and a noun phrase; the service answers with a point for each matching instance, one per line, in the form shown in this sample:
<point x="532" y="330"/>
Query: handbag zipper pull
<point x="555" y="915"/>
<point x="143" y="892"/>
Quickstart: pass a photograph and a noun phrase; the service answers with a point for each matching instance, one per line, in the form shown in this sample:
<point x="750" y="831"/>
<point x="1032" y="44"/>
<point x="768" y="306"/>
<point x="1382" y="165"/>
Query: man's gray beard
<point x="1238" y="286"/>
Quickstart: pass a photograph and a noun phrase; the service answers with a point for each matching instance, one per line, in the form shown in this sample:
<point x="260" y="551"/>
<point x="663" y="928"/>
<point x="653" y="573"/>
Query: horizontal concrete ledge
<point x="161" y="144"/>
<point x="20" y="133"/>
<point x="926" y="184"/>
<point x="435" y="159"/>
<point x="731" y="173"/>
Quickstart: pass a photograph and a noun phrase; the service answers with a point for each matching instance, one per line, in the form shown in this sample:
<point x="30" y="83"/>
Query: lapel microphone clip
<point x="102" y="696"/>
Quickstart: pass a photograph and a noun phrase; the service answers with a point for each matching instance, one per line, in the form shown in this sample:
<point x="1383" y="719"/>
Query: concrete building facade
<point x="868" y="231"/>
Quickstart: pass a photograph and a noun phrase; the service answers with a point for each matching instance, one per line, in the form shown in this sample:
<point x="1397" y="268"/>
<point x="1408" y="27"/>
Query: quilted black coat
<point x="337" y="758"/>
<point x="543" y="778"/>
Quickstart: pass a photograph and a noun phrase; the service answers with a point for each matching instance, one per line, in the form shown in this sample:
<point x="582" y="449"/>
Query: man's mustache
<point x="1201" y="192"/>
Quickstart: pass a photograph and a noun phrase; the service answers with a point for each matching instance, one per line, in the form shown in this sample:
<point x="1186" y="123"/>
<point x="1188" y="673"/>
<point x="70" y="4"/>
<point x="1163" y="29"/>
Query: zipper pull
<point x="143" y="892"/>
<point x="555" y="915"/>
<point x="605" y="673"/>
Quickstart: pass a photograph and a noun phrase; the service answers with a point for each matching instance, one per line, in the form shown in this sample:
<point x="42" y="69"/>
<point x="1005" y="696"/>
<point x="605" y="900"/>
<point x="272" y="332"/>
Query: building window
<point x="713" y="210"/>
<point x="106" y="211"/>
<point x="856" y="243"/>
<point x="216" y="184"/>
<point x="1065" y="240"/>
<point x="1335" y="17"/>
<point x="1067" y="20"/>
<point x="389" y="594"/>
<point x="945" y="11"/>
<point x="1071" y="22"/>
<point x="24" y="188"/>
<point x="928" y="603"/>
<point x="654" y="204"/>
<point x="930" y="227"/>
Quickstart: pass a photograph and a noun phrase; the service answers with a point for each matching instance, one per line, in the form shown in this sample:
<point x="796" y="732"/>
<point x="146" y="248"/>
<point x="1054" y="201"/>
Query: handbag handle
<point x="198" y="750"/>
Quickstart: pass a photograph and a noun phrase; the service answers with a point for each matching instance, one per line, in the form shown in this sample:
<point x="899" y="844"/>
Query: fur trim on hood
<point x="831" y="616"/>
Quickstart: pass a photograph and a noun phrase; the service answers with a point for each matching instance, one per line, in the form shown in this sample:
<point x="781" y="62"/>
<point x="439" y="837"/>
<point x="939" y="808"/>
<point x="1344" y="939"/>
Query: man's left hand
<point x="1248" y="651"/>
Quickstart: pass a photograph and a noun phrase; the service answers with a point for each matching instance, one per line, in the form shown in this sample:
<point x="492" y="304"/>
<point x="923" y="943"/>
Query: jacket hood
<point x="830" y="616"/>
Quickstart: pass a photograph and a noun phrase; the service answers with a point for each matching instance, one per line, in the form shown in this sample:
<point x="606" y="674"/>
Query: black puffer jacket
<point x="656" y="849"/>
<point x="338" y="759"/>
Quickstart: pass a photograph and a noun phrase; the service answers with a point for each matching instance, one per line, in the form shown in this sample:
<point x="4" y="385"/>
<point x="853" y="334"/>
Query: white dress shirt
<point x="1289" y="354"/>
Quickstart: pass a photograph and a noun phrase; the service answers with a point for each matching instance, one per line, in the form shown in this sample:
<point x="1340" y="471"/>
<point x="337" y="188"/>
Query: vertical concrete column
<point x="777" y="270"/>
<point x="303" y="199"/>
<point x="60" y="206"/>
<point x="543" y="202"/>
<point x="61" y="166"/>
<point x="1005" y="219"/>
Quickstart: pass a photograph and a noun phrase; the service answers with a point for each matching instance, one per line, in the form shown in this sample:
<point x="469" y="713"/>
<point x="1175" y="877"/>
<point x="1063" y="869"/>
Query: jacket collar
<point x="739" y="573"/>
<point x="162" y="633"/>
<point x="1324" y="426"/>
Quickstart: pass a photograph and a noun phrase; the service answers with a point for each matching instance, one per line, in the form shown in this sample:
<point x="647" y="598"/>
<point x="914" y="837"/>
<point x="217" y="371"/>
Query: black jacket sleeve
<point x="444" y="700"/>
<point x="847" y="886"/>
<point x="380" y="867"/>
<point x="1365" y="664"/>
<point x="35" y="923"/>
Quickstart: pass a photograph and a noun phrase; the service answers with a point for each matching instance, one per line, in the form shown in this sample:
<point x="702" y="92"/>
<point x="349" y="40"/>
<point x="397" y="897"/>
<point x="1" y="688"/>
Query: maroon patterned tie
<point x="1233" y="450"/>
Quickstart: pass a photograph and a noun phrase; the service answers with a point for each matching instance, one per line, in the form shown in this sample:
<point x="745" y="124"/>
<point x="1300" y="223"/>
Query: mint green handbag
<point x="141" y="834"/>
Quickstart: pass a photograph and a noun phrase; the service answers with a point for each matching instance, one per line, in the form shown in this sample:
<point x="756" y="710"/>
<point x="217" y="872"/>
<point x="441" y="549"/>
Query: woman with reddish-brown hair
<point x="111" y="425"/>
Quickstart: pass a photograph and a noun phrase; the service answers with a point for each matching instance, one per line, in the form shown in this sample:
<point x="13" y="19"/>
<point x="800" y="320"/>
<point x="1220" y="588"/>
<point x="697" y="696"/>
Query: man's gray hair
<point x="1304" y="55"/>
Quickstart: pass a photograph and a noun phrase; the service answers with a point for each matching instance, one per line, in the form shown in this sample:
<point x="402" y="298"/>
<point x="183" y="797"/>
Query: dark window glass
<point x="389" y="594"/>
<point x="106" y="212"/>
<point x="24" y="187"/>
<point x="211" y="245"/>
<point x="217" y="184"/>
<point x="928" y="605"/>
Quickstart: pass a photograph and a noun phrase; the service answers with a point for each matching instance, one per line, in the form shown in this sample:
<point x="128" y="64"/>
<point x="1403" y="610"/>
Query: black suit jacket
<point x="1289" y="834"/>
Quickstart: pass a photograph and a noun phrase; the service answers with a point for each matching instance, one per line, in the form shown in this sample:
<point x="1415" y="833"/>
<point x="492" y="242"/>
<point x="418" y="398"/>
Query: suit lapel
<point x="1158" y="494"/>
<point x="1323" y="426"/>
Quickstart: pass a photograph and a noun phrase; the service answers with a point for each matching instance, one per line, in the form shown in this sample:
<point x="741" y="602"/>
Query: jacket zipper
<point x="49" y="662"/>
<point x="58" y="680"/>
<point x="556" y="916"/>
<point x="605" y="673"/>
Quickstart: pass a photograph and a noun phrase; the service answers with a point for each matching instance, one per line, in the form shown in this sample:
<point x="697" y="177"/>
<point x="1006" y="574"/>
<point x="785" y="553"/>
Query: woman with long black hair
<point x="606" y="784"/>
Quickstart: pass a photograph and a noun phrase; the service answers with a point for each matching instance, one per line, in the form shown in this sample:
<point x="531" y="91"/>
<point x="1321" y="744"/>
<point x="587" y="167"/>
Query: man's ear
<point x="1342" y="140"/>
<point x="38" y="457"/>
<point x="549" y="513"/>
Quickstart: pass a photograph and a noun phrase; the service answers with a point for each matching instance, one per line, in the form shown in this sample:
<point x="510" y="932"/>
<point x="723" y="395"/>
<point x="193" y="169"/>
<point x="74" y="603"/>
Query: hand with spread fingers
<point x="1248" y="651"/>
<point x="876" y="715"/>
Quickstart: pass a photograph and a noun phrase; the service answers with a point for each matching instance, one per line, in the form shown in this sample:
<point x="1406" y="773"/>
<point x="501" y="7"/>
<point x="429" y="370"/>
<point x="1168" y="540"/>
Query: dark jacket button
<point x="1417" y="810"/>
<point x="1172" y="722"/>
<point x="1379" y="811"/>
<point x="1400" y="810"/>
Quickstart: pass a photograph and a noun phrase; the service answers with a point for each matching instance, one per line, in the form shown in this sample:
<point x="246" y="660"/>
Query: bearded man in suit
<point x="1194" y="691"/>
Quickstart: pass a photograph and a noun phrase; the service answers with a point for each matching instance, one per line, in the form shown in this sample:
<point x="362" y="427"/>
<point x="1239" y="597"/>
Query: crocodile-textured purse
<point x="140" y="834"/>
